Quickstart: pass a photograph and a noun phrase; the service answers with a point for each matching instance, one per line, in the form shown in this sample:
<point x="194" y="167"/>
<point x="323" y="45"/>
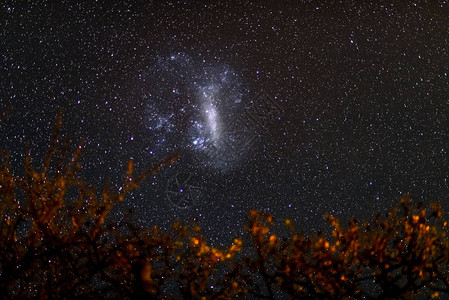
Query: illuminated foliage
<point x="58" y="241"/>
<point x="402" y="255"/>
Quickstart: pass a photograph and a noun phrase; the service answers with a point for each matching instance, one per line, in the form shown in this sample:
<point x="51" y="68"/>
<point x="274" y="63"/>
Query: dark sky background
<point x="359" y="91"/>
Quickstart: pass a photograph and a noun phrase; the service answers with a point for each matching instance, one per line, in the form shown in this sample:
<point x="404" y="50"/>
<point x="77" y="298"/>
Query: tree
<point x="400" y="256"/>
<point x="57" y="241"/>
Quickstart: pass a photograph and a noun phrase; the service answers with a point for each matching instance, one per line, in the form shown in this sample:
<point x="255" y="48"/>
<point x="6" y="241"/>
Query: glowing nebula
<point x="188" y="105"/>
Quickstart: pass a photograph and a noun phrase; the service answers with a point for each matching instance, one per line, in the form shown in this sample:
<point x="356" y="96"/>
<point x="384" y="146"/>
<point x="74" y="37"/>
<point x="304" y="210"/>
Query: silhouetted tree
<point x="57" y="241"/>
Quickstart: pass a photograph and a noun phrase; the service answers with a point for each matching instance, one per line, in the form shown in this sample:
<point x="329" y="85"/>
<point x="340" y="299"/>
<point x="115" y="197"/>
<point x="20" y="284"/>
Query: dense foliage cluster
<point x="56" y="241"/>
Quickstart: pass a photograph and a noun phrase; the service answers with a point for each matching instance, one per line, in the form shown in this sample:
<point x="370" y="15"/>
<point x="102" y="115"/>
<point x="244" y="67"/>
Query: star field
<point x="354" y="98"/>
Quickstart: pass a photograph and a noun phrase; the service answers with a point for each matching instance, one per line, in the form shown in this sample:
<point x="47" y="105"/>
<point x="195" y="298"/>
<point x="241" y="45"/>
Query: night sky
<point x="298" y="108"/>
